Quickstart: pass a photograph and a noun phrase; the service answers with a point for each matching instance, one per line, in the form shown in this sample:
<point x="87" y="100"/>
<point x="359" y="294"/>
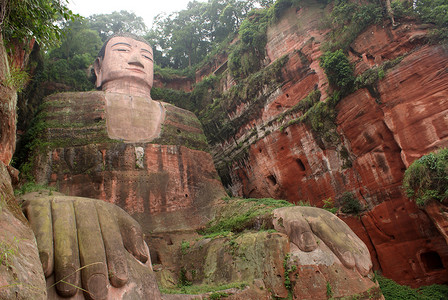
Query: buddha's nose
<point x="135" y="61"/>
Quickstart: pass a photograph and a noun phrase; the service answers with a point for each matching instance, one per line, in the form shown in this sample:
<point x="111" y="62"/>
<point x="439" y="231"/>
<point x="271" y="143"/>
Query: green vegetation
<point x="215" y="119"/>
<point x="203" y="288"/>
<point x="427" y="178"/>
<point x="348" y="19"/>
<point x="16" y="78"/>
<point x="288" y="271"/>
<point x="8" y="251"/>
<point x="349" y="204"/>
<point x="183" y="39"/>
<point x="242" y="214"/>
<point x="393" y="291"/>
<point x="280" y="6"/>
<point x="184" y="246"/>
<point x="302" y="106"/>
<point x="183" y="282"/>
<point x="31" y="186"/>
<point x="321" y="119"/>
<point x="427" y="11"/>
<point x="23" y="20"/>
<point x="329" y="205"/>
<point x="338" y="69"/>
<point x="246" y="58"/>
<point x="329" y="290"/>
<point x="218" y="295"/>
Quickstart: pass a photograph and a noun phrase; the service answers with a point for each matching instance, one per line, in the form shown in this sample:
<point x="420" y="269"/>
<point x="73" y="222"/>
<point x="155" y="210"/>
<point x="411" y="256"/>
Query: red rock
<point x="383" y="128"/>
<point x="8" y="100"/>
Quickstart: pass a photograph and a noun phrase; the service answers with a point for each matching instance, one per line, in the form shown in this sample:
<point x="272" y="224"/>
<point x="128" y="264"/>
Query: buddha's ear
<point x="97" y="68"/>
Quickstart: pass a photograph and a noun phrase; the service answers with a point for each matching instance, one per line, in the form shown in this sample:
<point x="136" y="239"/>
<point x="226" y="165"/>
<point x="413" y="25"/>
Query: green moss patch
<point x="240" y="214"/>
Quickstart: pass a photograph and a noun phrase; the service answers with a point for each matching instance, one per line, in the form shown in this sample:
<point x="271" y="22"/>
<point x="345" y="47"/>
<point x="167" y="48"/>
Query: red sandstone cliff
<point x="381" y="130"/>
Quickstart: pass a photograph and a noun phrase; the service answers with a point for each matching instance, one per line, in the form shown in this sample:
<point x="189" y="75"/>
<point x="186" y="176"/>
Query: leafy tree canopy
<point x="184" y="38"/>
<point x="40" y="19"/>
<point x="109" y="24"/>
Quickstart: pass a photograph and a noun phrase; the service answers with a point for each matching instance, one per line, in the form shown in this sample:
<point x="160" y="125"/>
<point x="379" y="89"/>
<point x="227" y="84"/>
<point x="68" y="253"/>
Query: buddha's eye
<point x="147" y="57"/>
<point x="121" y="50"/>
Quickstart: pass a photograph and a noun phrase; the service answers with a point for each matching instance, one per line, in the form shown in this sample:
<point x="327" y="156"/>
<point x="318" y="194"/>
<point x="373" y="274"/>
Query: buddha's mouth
<point x="137" y="70"/>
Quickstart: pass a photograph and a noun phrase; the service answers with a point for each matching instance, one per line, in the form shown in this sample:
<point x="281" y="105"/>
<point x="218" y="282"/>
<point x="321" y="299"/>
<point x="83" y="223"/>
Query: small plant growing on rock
<point x="218" y="295"/>
<point x="329" y="205"/>
<point x="16" y="79"/>
<point x="288" y="271"/>
<point x="183" y="281"/>
<point x="329" y="291"/>
<point x="184" y="246"/>
<point x="8" y="251"/>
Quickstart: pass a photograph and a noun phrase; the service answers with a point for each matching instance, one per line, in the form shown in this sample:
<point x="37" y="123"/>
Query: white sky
<point x="147" y="9"/>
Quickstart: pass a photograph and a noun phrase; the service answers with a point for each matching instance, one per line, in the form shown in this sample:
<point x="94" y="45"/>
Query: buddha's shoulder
<point x="76" y="100"/>
<point x="181" y="127"/>
<point x="176" y="113"/>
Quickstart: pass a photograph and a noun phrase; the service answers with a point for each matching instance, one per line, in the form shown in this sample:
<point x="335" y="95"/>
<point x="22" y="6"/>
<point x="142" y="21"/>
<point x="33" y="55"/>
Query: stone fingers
<point x="39" y="217"/>
<point x="115" y="253"/>
<point x="132" y="235"/>
<point x="339" y="238"/>
<point x="91" y="250"/>
<point x="66" y="255"/>
<point x="351" y="248"/>
<point x="288" y="220"/>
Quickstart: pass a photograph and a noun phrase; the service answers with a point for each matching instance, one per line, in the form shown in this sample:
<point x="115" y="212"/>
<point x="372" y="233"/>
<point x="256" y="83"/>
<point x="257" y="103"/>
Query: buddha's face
<point x="125" y="60"/>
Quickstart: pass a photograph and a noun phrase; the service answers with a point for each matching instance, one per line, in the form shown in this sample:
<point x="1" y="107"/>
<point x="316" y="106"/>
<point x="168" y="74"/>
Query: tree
<point x="184" y="38"/>
<point x="108" y="24"/>
<point x="78" y="39"/>
<point x="24" y="20"/>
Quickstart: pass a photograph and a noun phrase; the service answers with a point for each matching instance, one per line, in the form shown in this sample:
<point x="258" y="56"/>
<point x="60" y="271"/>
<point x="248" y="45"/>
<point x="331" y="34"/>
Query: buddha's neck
<point x="128" y="87"/>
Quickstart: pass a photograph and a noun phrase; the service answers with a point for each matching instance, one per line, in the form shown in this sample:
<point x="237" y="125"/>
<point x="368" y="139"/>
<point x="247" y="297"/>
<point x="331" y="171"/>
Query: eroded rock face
<point x="21" y="274"/>
<point x="8" y="101"/>
<point x="269" y="264"/>
<point x="381" y="130"/>
<point x="162" y="179"/>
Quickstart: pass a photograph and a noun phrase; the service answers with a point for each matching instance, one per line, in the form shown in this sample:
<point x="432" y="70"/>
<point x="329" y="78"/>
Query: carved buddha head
<point x="125" y="65"/>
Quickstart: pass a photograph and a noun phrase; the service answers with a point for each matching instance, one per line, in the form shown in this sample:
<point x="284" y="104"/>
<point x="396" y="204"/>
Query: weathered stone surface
<point x="162" y="178"/>
<point x="257" y="258"/>
<point x="438" y="213"/>
<point x="246" y="258"/>
<point x="381" y="128"/>
<point x="8" y="102"/>
<point x="103" y="243"/>
<point x="21" y="275"/>
<point x="141" y="285"/>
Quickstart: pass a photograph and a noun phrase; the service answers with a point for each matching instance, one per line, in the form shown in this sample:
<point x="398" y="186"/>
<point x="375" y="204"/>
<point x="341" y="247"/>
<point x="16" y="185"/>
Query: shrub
<point x="218" y="295"/>
<point x="392" y="290"/>
<point x="279" y="7"/>
<point x="349" y="204"/>
<point x="427" y="178"/>
<point x="349" y="19"/>
<point x="246" y="58"/>
<point x="338" y="69"/>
